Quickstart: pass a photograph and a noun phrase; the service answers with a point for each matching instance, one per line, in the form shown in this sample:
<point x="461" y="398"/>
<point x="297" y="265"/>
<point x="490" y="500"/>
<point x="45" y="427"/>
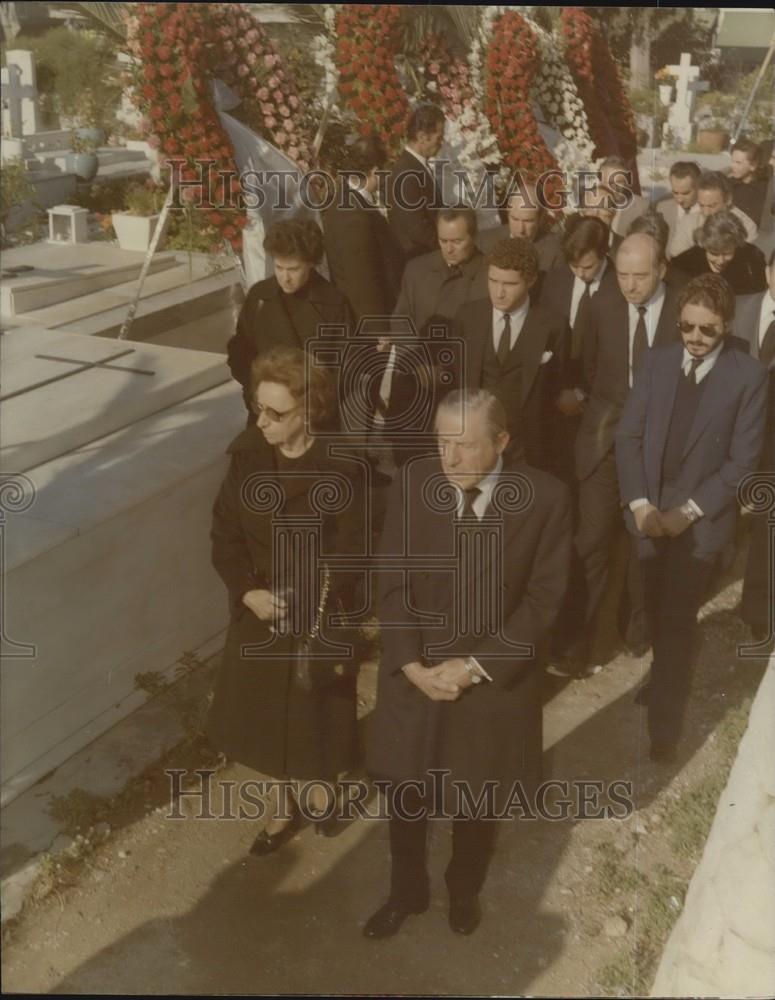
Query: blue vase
<point x="83" y="165"/>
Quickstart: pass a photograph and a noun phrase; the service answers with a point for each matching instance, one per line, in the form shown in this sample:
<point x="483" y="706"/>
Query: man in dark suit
<point x="451" y="698"/>
<point x="364" y="260"/>
<point x="755" y="325"/>
<point x="514" y="349"/>
<point x="691" y="430"/>
<point x="433" y="288"/>
<point x="412" y="193"/>
<point x="567" y="290"/>
<point x="623" y="325"/>
<point x="527" y="219"/>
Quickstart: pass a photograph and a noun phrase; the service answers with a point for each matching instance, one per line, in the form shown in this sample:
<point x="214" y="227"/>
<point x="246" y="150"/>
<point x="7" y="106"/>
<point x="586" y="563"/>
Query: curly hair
<point x="515" y="254"/>
<point x="721" y="233"/>
<point x="305" y="381"/>
<point x="712" y="292"/>
<point x="295" y="238"/>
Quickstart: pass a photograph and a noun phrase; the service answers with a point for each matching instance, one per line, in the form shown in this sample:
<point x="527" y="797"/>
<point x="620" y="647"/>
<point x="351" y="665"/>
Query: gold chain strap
<point x="321" y="607"/>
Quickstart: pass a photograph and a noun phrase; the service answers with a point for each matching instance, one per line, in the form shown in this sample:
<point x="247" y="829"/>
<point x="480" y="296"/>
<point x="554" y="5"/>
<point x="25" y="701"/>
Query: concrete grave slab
<point x="41" y="423"/>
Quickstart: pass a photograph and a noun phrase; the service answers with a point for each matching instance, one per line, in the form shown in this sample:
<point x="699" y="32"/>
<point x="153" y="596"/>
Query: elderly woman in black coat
<point x="721" y="248"/>
<point x="287" y="308"/>
<point x="284" y="509"/>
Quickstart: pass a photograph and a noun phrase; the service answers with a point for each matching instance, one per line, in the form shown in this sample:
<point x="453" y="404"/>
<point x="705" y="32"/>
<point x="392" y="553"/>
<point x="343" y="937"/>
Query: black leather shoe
<point x="267" y="843"/>
<point x="637" y="649"/>
<point x="465" y="913"/>
<point x="389" y="919"/>
<point x="663" y="753"/>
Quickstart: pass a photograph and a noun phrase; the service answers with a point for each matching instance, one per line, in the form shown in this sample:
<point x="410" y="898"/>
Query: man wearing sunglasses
<point x="691" y="429"/>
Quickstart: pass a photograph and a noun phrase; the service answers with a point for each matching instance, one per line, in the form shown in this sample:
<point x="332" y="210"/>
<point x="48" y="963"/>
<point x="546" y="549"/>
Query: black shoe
<point x="465" y="913"/>
<point x="662" y="752"/>
<point x="642" y="697"/>
<point x="267" y="843"/>
<point x="637" y="649"/>
<point x="389" y="919"/>
<point x="325" y="825"/>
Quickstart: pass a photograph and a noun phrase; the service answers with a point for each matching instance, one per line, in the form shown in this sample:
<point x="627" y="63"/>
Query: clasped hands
<point x="658" y="523"/>
<point x="444" y="682"/>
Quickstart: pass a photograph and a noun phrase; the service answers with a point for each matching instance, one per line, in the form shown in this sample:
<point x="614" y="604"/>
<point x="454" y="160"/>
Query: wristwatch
<point x="689" y="513"/>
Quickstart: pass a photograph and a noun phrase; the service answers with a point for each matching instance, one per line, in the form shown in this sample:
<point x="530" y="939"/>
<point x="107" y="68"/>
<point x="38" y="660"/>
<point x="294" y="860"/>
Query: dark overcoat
<point x="258" y="717"/>
<point x="270" y="318"/>
<point x="492" y="732"/>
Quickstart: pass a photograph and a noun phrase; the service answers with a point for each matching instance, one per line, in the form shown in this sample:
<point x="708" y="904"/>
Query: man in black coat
<point x="755" y="325"/>
<point x="527" y="219"/>
<point x="412" y="191"/>
<point x="568" y="289"/>
<point x="433" y="288"/>
<point x="623" y="325"/>
<point x="514" y="349"/>
<point x="691" y="430"/>
<point x="451" y="697"/>
<point x="364" y="259"/>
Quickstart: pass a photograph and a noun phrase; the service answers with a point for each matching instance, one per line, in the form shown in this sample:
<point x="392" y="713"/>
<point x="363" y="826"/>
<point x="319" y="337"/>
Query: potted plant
<point x="713" y="122"/>
<point x="82" y="161"/>
<point x="665" y="81"/>
<point x="136" y="225"/>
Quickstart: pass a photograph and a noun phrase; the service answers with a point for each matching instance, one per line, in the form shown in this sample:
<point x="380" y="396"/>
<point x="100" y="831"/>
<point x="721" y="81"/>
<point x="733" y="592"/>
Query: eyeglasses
<point x="276" y="416"/>
<point x="706" y="329"/>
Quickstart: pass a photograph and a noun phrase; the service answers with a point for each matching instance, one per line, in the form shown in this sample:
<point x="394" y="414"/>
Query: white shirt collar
<point x="653" y="308"/>
<point x="418" y="157"/>
<point x="519" y="313"/>
<point x="594" y="284"/>
<point x="366" y="195"/>
<point x="486" y="485"/>
<point x="705" y="366"/>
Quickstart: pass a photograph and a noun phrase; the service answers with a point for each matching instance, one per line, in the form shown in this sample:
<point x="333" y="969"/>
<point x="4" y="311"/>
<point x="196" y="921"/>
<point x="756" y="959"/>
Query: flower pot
<point x="89" y="134"/>
<point x="666" y="93"/>
<point x="83" y="165"/>
<point x="712" y="140"/>
<point x="135" y="232"/>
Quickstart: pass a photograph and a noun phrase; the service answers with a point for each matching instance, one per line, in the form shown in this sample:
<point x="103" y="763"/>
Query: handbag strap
<point x="321" y="607"/>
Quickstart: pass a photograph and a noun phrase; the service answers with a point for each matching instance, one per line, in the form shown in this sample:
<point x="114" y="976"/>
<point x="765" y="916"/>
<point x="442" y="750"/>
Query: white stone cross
<point x="19" y="94"/>
<point x="687" y="86"/>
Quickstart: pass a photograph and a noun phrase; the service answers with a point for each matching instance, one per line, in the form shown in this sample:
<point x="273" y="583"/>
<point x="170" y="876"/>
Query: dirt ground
<point x="571" y="908"/>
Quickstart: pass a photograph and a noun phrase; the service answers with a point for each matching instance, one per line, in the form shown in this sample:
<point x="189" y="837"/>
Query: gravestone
<point x="680" y="116"/>
<point x="121" y="449"/>
<point x="19" y="95"/>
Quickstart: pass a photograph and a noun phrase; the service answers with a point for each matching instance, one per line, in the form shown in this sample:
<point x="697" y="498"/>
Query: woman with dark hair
<point x="287" y="308"/>
<point x="721" y="248"/>
<point x="284" y="510"/>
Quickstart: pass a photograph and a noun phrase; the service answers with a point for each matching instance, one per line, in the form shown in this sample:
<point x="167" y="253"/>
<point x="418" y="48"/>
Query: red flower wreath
<point x="366" y="44"/>
<point x="512" y="61"/>
<point x="448" y="72"/>
<point x="610" y="117"/>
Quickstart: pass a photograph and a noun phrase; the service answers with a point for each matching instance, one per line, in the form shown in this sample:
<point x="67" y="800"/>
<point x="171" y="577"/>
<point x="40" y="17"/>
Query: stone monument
<point x="680" y="116"/>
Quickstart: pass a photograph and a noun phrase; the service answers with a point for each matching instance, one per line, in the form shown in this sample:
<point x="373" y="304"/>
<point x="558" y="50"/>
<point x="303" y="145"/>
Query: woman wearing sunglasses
<point x="286" y="509"/>
<point x="721" y="248"/>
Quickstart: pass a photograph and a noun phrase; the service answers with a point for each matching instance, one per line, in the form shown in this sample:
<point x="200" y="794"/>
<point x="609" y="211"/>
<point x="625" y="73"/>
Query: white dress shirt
<point x="578" y="290"/>
<point x="651" y="318"/>
<point x="518" y="317"/>
<point x="766" y="316"/>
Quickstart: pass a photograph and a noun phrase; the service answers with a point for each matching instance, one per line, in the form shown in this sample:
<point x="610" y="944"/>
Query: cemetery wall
<point x="724" y="941"/>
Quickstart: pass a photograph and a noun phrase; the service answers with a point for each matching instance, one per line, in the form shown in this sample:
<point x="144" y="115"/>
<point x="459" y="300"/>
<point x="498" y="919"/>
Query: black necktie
<point x="469" y="498"/>
<point x="578" y="322"/>
<point x="692" y="373"/>
<point x="504" y="344"/>
<point x="767" y="349"/>
<point x="640" y="343"/>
